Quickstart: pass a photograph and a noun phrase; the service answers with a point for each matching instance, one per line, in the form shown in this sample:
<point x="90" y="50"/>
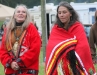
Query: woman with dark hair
<point x="21" y="43"/>
<point x="93" y="39"/>
<point x="67" y="51"/>
<point x="73" y="17"/>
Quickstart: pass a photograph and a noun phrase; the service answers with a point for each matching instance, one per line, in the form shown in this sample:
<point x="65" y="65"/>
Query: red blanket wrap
<point x="60" y="43"/>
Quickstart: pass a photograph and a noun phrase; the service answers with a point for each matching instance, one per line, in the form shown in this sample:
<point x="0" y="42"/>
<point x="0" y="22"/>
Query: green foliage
<point x="31" y="3"/>
<point x="1" y="23"/>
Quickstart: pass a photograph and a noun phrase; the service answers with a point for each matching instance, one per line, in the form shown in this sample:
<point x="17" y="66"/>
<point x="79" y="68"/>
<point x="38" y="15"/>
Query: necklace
<point x="17" y="37"/>
<point x="16" y="44"/>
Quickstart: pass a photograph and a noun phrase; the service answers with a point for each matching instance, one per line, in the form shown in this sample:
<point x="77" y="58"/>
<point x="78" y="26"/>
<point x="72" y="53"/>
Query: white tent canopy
<point x="5" y="11"/>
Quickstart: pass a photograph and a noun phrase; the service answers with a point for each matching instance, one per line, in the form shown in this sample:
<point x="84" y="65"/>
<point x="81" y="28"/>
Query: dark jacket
<point x="93" y="39"/>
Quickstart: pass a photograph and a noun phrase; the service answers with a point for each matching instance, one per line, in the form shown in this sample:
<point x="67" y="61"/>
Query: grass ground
<point x="96" y="67"/>
<point x="1" y="70"/>
<point x="41" y="64"/>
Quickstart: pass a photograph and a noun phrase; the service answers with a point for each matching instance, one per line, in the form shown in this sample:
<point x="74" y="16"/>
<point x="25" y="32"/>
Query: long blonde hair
<point x="11" y="24"/>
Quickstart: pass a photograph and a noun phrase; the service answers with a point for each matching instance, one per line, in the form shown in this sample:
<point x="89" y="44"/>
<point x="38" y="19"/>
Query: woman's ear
<point x="70" y="15"/>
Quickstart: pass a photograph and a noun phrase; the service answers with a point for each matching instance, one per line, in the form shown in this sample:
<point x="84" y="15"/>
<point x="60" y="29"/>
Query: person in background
<point x="2" y="31"/>
<point x="21" y="43"/>
<point x="3" y="27"/>
<point x="68" y="51"/>
<point x="93" y="39"/>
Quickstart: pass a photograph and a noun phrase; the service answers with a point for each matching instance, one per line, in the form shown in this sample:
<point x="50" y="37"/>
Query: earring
<point x="70" y="18"/>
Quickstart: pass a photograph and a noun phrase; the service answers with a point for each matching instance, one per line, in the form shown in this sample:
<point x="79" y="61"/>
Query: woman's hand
<point x="14" y="65"/>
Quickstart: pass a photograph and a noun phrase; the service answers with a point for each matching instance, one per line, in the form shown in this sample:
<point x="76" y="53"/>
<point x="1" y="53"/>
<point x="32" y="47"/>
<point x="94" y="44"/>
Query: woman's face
<point x="64" y="14"/>
<point x="20" y="14"/>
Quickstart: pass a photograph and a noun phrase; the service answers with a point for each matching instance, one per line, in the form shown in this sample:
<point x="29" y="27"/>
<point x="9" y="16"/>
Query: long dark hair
<point x="73" y="18"/>
<point x="73" y="62"/>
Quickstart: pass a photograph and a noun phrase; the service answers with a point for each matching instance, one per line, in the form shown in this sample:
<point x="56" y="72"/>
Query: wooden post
<point x="44" y="27"/>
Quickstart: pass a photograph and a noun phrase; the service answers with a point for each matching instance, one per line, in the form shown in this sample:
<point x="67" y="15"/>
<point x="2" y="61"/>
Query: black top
<point x="19" y="24"/>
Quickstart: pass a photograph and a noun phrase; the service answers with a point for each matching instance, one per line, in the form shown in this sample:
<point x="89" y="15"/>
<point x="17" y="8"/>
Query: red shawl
<point x="61" y="42"/>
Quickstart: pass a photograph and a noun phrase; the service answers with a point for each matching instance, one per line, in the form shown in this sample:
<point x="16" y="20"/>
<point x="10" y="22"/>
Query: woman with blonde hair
<point x="20" y="48"/>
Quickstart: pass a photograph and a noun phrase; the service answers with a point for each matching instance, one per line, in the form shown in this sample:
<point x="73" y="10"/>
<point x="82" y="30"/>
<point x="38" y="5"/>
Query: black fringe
<point x="72" y="59"/>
